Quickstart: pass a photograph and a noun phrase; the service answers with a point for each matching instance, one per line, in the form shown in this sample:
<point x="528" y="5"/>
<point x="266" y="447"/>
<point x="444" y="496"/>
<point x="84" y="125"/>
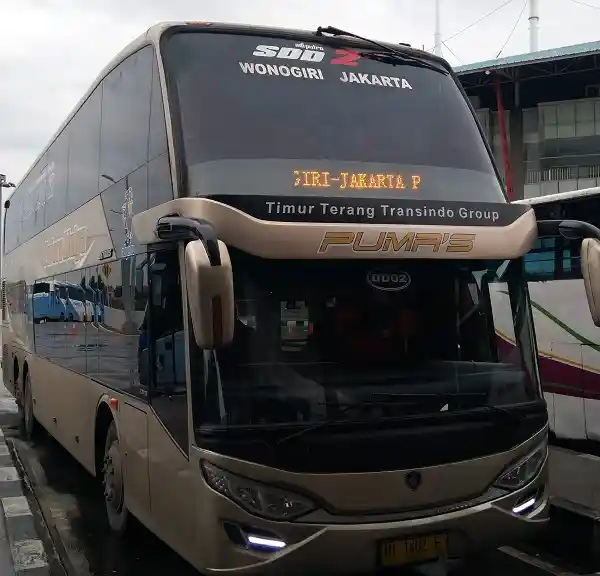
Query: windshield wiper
<point x="501" y="411"/>
<point x="504" y="413"/>
<point x="333" y="421"/>
<point x="397" y="58"/>
<point x="389" y="54"/>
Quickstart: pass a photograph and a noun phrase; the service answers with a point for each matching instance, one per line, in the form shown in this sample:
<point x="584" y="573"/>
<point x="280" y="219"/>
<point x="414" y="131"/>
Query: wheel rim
<point x="113" y="480"/>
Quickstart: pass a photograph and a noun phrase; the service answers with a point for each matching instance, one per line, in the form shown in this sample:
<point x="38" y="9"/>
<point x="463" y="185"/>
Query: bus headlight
<point x="524" y="471"/>
<point x="256" y="498"/>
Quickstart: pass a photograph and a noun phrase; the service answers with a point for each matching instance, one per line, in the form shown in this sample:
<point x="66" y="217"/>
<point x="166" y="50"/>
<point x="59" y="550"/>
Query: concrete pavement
<point x="22" y="552"/>
<point x="575" y="480"/>
<point x="8" y="407"/>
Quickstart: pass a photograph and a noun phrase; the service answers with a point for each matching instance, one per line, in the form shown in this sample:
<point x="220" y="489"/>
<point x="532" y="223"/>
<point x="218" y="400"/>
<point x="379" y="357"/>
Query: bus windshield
<point x="374" y="340"/>
<point x="42" y="288"/>
<point x="273" y="115"/>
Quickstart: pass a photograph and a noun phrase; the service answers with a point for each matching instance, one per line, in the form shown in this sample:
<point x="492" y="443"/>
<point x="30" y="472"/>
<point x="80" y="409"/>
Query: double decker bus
<point x="567" y="338"/>
<point x="316" y="347"/>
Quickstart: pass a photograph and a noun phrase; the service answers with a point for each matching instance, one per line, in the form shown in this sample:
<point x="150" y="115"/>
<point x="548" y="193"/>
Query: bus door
<point x="171" y="483"/>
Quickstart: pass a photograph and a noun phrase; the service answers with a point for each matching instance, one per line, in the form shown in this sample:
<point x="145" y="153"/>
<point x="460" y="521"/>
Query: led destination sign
<point x="355" y="180"/>
<point x="335" y="210"/>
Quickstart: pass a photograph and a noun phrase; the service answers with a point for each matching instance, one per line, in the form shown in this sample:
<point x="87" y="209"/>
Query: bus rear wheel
<point x="113" y="482"/>
<point x="29" y="426"/>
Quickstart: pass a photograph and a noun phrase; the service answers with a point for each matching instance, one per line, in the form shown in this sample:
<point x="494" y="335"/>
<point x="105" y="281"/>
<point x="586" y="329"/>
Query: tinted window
<point x="122" y="303"/>
<point x="104" y="309"/>
<point x="160" y="188"/>
<point x="121" y="202"/>
<point x="84" y="130"/>
<point x="164" y="339"/>
<point x="94" y="342"/>
<point x="367" y="336"/>
<point x="58" y="169"/>
<point x="553" y="259"/>
<point x="559" y="258"/>
<point x="125" y="117"/>
<point x="22" y="203"/>
<point x="13" y="222"/>
<point x="158" y="131"/>
<point x="241" y="99"/>
<point x="33" y="194"/>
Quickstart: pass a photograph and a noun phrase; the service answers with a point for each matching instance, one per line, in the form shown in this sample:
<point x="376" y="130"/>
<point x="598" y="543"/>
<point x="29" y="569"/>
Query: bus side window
<point x="540" y="262"/>
<point x="166" y="335"/>
<point x="553" y="259"/>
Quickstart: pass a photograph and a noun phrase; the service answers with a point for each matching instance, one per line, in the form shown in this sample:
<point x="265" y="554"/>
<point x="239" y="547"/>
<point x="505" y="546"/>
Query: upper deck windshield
<point x="263" y="115"/>
<point x="365" y="341"/>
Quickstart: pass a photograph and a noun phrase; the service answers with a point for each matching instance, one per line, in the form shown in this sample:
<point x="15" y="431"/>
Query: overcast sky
<point x="51" y="50"/>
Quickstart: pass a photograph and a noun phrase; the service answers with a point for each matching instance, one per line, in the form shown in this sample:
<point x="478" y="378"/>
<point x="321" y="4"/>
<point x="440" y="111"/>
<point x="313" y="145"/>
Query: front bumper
<point x="353" y="548"/>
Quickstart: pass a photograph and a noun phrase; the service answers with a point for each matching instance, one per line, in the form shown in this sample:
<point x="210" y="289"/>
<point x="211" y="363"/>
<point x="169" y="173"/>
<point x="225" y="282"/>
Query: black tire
<point x="113" y="483"/>
<point x="28" y="424"/>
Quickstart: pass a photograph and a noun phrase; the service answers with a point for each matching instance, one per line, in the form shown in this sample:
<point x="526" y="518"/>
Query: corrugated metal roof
<point x="531" y="57"/>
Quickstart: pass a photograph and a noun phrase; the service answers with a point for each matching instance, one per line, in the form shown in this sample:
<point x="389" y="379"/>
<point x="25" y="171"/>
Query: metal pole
<point x="3" y="184"/>
<point x="437" y="35"/>
<point x="534" y="21"/>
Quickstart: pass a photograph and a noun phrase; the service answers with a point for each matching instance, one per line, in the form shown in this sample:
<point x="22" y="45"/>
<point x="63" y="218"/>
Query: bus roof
<point x="153" y="34"/>
<point x="559" y="197"/>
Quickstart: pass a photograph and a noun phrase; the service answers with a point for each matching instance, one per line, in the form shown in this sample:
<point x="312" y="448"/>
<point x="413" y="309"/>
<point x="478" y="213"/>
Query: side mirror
<point x="590" y="268"/>
<point x="210" y="295"/>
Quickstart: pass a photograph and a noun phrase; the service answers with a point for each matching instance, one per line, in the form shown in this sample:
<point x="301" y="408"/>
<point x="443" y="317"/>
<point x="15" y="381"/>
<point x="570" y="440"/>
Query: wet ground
<point x="70" y="504"/>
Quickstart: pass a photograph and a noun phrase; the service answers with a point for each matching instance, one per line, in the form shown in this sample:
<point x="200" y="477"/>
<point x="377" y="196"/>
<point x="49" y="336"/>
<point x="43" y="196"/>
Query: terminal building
<point x="541" y="115"/>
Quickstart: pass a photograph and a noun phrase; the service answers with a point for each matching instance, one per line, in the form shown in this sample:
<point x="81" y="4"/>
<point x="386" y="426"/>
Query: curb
<point x="27" y="550"/>
<point x="55" y="542"/>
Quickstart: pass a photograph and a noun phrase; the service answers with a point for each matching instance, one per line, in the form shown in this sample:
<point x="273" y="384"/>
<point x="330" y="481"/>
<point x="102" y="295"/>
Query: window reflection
<point x="89" y="321"/>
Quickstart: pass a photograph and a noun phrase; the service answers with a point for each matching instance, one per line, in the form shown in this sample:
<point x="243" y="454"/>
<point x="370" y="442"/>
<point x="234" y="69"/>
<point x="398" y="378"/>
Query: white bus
<point x="567" y="338"/>
<point x="302" y="279"/>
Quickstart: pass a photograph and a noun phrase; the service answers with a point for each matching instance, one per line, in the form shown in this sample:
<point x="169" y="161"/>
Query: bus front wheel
<point x="114" y="487"/>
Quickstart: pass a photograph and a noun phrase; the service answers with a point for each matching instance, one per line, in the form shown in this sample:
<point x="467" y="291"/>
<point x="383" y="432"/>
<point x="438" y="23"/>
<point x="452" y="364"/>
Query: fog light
<point x="520" y="508"/>
<point x="265" y="543"/>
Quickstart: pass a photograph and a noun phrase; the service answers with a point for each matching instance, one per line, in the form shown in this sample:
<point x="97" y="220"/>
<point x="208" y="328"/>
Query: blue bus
<point x="47" y="303"/>
<point x="73" y="297"/>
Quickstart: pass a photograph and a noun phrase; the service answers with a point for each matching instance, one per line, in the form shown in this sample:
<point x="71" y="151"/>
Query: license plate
<point x="413" y="550"/>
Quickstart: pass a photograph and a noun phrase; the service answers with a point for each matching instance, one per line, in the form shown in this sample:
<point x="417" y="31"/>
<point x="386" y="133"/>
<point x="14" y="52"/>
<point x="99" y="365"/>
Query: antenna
<point x="534" y="21"/>
<point x="437" y="35"/>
